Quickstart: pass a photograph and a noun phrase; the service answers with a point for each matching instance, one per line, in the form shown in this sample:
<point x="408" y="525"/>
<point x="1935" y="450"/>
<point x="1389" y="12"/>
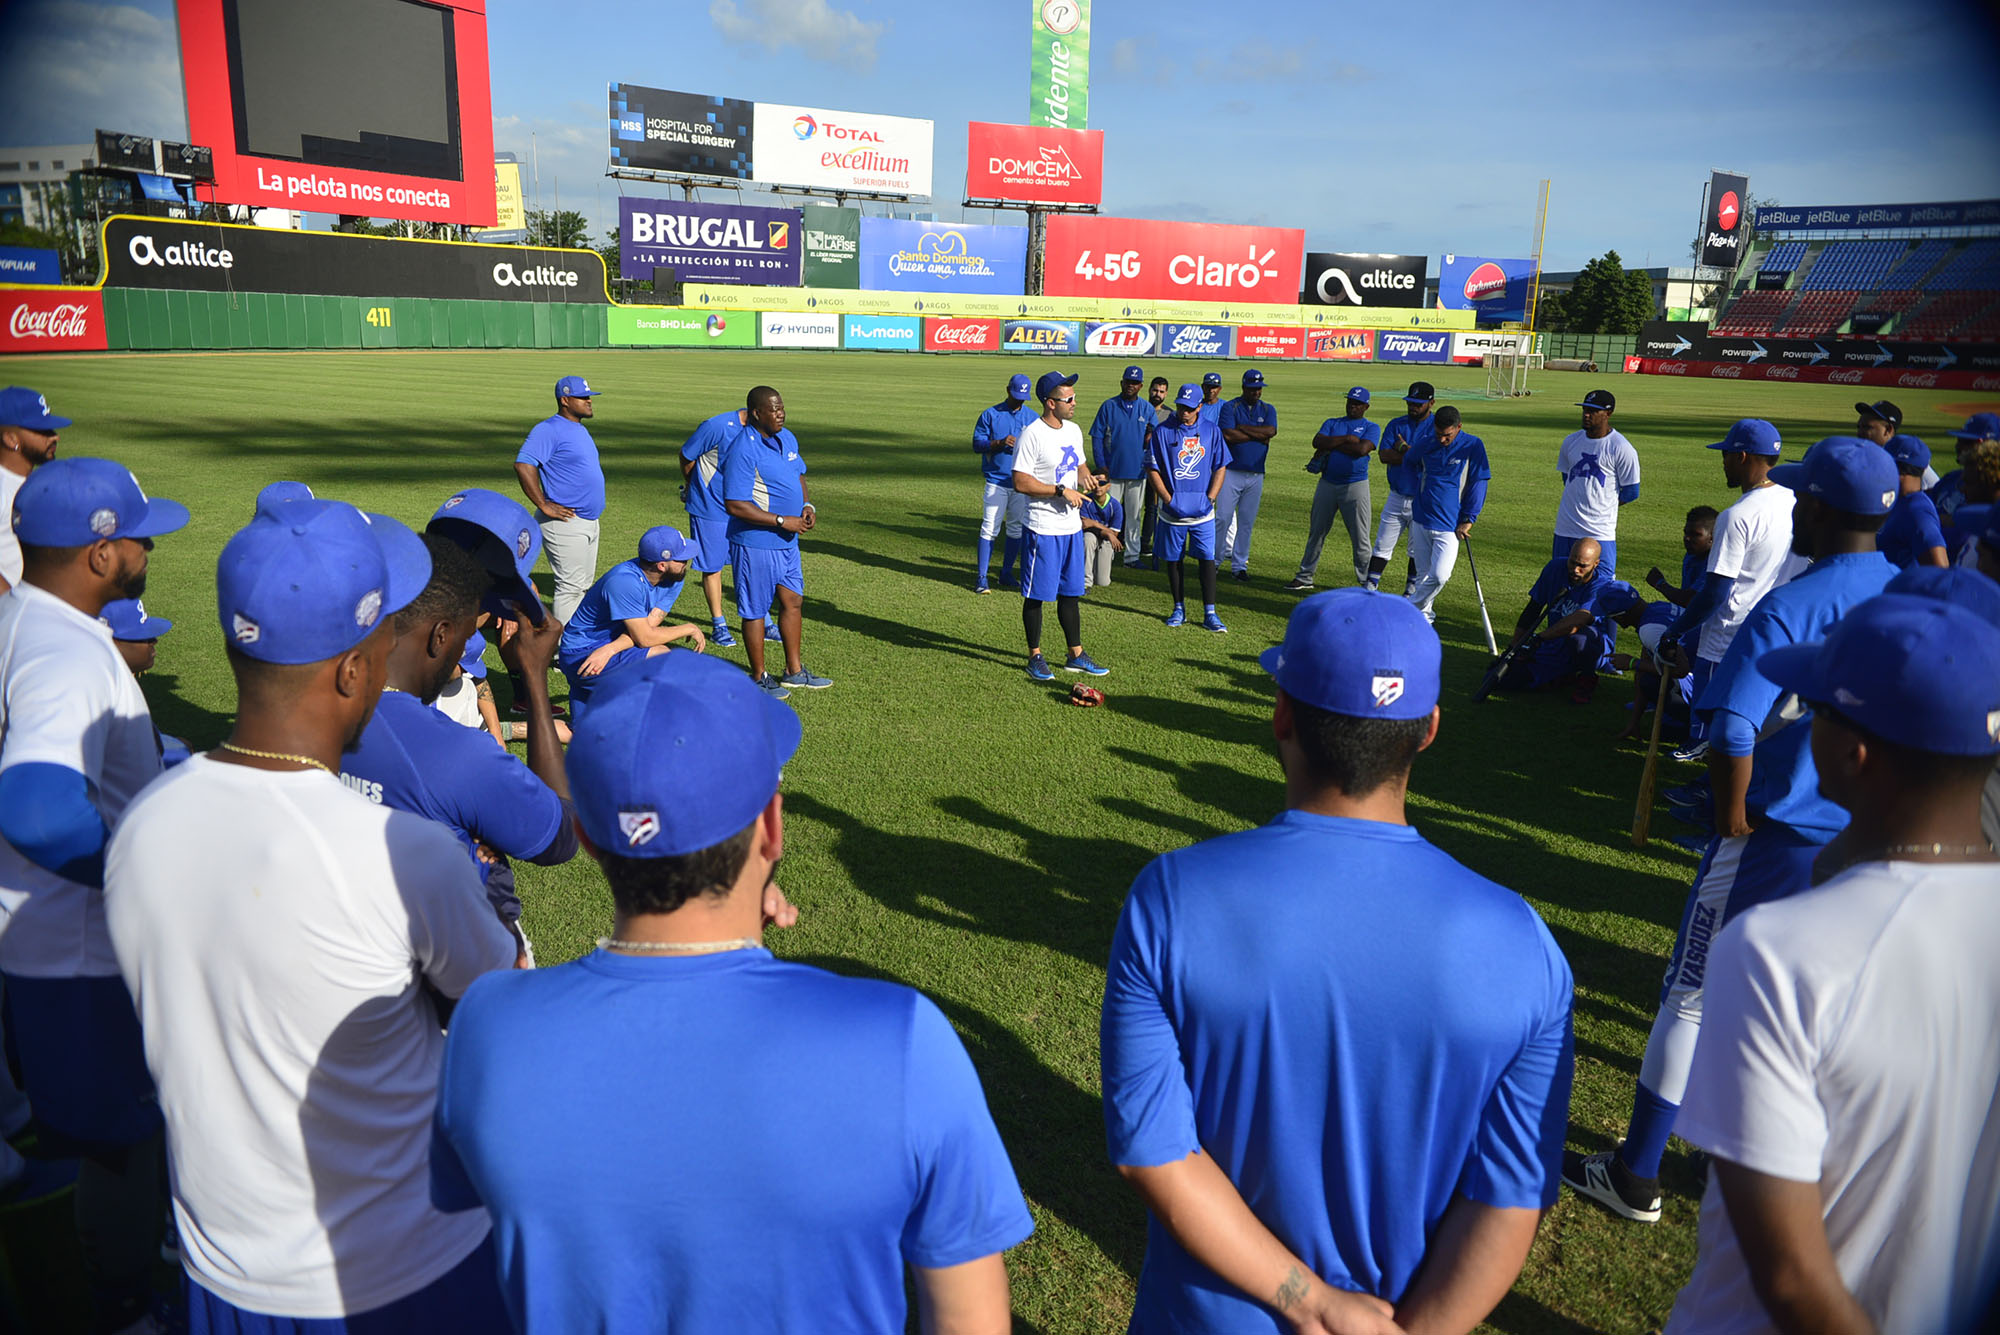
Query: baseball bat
<point x="1492" y="645"/>
<point x="1642" y="814"/>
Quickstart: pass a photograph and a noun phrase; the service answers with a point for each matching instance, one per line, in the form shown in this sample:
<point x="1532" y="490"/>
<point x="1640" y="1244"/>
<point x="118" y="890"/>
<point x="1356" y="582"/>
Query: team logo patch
<point x="244" y="629"/>
<point x="1386" y="690"/>
<point x="1190" y="456"/>
<point x="104" y="521"/>
<point x="639" y="827"/>
<point x="455" y="501"/>
<point x="368" y="609"/>
<point x="1993" y="725"/>
<point x="1843" y="696"/>
<point x="1888" y="499"/>
<point x="522" y="543"/>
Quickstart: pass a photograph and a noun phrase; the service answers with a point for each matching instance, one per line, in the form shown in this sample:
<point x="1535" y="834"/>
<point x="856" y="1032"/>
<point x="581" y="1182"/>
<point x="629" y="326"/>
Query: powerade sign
<point x="1397" y="345"/>
<point x="891" y="333"/>
<point x="1496" y="289"/>
<point x="1119" y="339"/>
<point x="1196" y="340"/>
<point x="21" y="264"/>
<point x="1365" y="280"/>
<point x="898" y="255"/>
<point x="1848" y="217"/>
<point x="1040" y="335"/>
<point x="710" y="243"/>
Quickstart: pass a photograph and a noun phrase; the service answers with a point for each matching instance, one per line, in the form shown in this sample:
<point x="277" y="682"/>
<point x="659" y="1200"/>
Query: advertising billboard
<point x="1496" y="290"/>
<point x="832" y="246"/>
<point x="1341" y="345"/>
<point x="849" y="151"/>
<point x="380" y="108"/>
<point x="709" y="243"/>
<point x="1850" y="217"/>
<point x="52" y="320"/>
<point x="1123" y="338"/>
<point x="1196" y="340"/>
<point x="776" y="329"/>
<point x="1266" y="341"/>
<point x="1397" y="345"/>
<point x="1722" y="232"/>
<point x="892" y="333"/>
<point x="510" y="209"/>
<point x="659" y="130"/>
<point x="1473" y="347"/>
<point x="1059" y="62"/>
<point x="670" y="326"/>
<point x="959" y="335"/>
<point x="1034" y="164"/>
<point x="898" y="255"/>
<point x="29" y="264"/>
<point x="1365" y="280"/>
<point x="1142" y="259"/>
<point x="1040" y="335"/>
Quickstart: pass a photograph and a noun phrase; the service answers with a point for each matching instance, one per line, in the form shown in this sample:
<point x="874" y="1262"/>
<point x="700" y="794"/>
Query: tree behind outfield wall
<point x="1606" y="299"/>
<point x="565" y="228"/>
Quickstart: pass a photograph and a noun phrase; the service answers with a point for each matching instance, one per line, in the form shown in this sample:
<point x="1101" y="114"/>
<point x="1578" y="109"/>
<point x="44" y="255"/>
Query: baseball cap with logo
<point x="1132" y="375"/>
<point x="1881" y="409"/>
<point x="1912" y="670"/>
<point x="75" y="502"/>
<point x="1045" y="388"/>
<point x="677" y="754"/>
<point x="1751" y="435"/>
<point x="1844" y="472"/>
<point x="1189" y="396"/>
<point x="307" y="580"/>
<point x="503" y="537"/>
<point x="1420" y="392"/>
<point x="1909" y="452"/>
<point x="128" y="620"/>
<point x="1017" y="387"/>
<point x="1349" y="651"/>
<point x="473" y="661"/>
<point x="1980" y="426"/>
<point x="1212" y="378"/>
<point x="1253" y="378"/>
<point x="1599" y="398"/>
<point x="1617" y="597"/>
<point x="663" y="542"/>
<point x="1952" y="584"/>
<point x="1357" y="395"/>
<point x="575" y="387"/>
<point x="27" y="407"/>
<point x="277" y="493"/>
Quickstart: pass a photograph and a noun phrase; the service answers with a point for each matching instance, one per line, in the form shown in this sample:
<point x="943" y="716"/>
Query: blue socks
<point x="1646" y="1138"/>
<point x="1008" y="554"/>
<point x="985" y="558"/>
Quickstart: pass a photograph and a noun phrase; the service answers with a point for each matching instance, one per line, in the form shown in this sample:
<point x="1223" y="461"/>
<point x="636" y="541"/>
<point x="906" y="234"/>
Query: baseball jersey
<point x="1050" y="454"/>
<point x="275" y="929"/>
<point x="1348" y="1065"/>
<point x="1846" y="1040"/>
<point x="66" y="698"/>
<point x="767" y="471"/>
<point x="1247" y="456"/>
<point x="1118" y="436"/>
<point x="1694" y="572"/>
<point x="1948" y="493"/>
<point x="1208" y="412"/>
<point x="1451" y="480"/>
<point x="1753" y="546"/>
<point x="1593" y="471"/>
<point x="565" y="455"/>
<point x="997" y="423"/>
<point x="1553" y="590"/>
<point x="805" y="1135"/>
<point x="1187" y="460"/>
<point x="1401" y="434"/>
<point x="1344" y="468"/>
<point x="1111" y="514"/>
<point x="705" y="447"/>
<point x="1910" y="530"/>
<point x="10" y="546"/>
<point x="621" y="594"/>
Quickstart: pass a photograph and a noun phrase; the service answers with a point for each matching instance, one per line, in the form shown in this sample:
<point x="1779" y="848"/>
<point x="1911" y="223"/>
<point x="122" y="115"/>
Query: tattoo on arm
<point x="485" y="691"/>
<point x="1291" y="1291"/>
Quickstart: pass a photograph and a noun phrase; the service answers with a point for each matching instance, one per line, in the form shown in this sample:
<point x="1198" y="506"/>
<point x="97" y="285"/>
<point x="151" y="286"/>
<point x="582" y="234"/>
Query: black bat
<point x="1500" y="666"/>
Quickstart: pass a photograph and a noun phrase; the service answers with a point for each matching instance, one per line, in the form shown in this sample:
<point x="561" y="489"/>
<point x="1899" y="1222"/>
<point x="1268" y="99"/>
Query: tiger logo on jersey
<point x="1187" y="460"/>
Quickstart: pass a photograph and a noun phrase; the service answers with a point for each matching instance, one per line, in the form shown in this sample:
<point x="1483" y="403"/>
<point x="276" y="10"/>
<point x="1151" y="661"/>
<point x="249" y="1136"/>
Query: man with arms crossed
<point x="1118" y="437"/>
<point x="994" y="436"/>
<point x="1248" y="424"/>
<point x="1340" y="457"/>
<point x="708" y="521"/>
<point x="1397" y="438"/>
<point x="1049" y="470"/>
<point x="682" y="1033"/>
<point x="1600" y="472"/>
<point x="1320" y="1127"/>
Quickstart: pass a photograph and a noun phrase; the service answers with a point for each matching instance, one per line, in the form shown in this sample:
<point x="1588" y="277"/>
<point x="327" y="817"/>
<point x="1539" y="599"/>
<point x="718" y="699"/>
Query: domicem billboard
<point x="1034" y="164"/>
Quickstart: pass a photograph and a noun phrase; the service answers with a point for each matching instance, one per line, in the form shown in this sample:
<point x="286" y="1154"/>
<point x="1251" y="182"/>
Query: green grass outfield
<point x="953" y="825"/>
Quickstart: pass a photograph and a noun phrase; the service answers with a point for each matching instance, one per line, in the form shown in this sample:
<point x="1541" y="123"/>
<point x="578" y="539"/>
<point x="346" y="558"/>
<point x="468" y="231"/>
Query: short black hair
<point x="1702" y="515"/>
<point x="1929" y="772"/>
<point x="661" y="885"/>
<point x="1356" y="755"/>
<point x="456" y="585"/>
<point x="759" y="394"/>
<point x="1158" y="380"/>
<point x="1446" y="416"/>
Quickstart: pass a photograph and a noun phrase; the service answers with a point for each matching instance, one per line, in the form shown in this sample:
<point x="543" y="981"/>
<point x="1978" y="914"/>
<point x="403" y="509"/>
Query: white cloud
<point x="838" y="36"/>
<point x="71" y="67"/>
<point x="1134" y="56"/>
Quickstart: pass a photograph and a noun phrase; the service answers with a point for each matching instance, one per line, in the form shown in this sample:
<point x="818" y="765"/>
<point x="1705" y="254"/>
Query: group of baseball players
<point x="1342" y="1096"/>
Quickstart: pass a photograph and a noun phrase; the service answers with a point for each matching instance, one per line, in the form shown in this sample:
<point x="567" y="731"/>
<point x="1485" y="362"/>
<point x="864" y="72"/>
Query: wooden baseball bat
<point x="1642" y="814"/>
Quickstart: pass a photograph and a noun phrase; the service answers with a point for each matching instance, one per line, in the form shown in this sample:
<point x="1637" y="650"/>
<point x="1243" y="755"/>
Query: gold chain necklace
<point x="234" y="749"/>
<point x="680" y="947"/>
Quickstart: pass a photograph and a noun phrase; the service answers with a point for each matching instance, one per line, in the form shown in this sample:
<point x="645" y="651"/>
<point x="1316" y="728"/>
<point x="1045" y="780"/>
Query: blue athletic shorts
<point x="76" y="1044"/>
<point x="1052" y="566"/>
<point x="1771" y="862"/>
<point x="1174" y="541"/>
<point x="1609" y="562"/>
<point x="759" y="573"/>
<point x="711" y="540"/>
<point x="580" y="688"/>
<point x="465" y="1298"/>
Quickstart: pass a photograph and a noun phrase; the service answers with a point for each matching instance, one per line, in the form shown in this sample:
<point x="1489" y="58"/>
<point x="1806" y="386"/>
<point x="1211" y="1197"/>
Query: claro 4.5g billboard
<point x="1139" y="259"/>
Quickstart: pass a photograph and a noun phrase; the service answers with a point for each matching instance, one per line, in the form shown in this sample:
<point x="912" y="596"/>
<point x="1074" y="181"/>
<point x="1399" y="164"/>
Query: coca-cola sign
<point x="53" y="320"/>
<point x="955" y="335"/>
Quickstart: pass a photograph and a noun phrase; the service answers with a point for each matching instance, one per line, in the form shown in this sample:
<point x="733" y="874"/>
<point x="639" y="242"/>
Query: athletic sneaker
<point x="1693" y="751"/>
<point x="770" y="686"/>
<point x="1177" y="617"/>
<point x="1214" y="623"/>
<point x="1038" y="669"/>
<point x="1299" y="585"/>
<point x="1372" y="584"/>
<point x="1604" y="1178"/>
<point x="805" y="678"/>
<point x="720" y="635"/>
<point x="1241" y="577"/>
<point x="981" y="587"/>
<point x="1085" y="663"/>
<point x="1695" y="794"/>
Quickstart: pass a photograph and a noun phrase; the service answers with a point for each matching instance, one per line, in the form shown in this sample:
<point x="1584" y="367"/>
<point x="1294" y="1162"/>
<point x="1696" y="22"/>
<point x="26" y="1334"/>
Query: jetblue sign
<point x="1196" y="340"/>
<point x="1854" y="217"/>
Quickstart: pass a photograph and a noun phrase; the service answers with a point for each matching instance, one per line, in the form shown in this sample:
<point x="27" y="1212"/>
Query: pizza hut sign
<point x="53" y="320"/>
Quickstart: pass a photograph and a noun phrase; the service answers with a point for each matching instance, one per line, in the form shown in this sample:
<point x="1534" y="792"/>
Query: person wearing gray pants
<point x="1340" y="457"/>
<point x="559" y="473"/>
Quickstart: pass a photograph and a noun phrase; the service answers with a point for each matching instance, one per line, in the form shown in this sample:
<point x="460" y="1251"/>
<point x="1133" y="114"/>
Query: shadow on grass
<point x="905" y="634"/>
<point x="199" y="728"/>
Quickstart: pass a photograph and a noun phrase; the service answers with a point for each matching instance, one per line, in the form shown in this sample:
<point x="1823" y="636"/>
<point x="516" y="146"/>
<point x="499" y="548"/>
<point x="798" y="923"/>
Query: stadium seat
<point x="1753" y="313"/>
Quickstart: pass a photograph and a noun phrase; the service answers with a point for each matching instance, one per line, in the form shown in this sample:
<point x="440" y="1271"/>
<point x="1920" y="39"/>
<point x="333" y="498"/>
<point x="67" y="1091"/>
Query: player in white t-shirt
<point x="28" y="432"/>
<point x="285" y="941"/>
<point x="1050" y="469"/>
<point x="1600" y="472"/>
<point x="1845" y="1082"/>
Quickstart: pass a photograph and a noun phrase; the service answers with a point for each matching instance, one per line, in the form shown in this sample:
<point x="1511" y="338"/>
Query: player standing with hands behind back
<point x="1049" y="470"/>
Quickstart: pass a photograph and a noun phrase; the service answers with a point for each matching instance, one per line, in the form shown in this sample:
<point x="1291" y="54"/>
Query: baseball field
<point x="957" y="827"/>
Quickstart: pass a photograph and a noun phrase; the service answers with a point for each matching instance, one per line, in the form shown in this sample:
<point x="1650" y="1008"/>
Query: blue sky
<point x="1419" y="128"/>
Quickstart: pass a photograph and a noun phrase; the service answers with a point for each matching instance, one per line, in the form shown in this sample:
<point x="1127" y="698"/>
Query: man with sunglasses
<point x="1050" y="470"/>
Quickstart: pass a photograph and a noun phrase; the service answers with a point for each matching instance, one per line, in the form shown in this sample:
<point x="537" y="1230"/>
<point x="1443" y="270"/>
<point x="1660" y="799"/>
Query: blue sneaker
<point x="1038" y="669"/>
<point x="770" y="686"/>
<point x="1177" y="617"/>
<point x="721" y="636"/>
<point x="1214" y="623"/>
<point x="1689" y="794"/>
<point x="805" y="679"/>
<point x="982" y="587"/>
<point x="1084" y="663"/>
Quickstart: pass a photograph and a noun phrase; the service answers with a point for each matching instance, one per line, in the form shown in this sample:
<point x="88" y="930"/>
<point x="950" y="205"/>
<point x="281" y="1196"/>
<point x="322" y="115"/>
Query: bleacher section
<point x="1753" y="313"/>
<point x="1974" y="269"/>
<point x="1933" y="289"/>
<point x="1817" y="313"/>
<point x="1942" y="315"/>
<point x="1853" y="266"/>
<point x="1909" y="275"/>
<point x="1784" y="257"/>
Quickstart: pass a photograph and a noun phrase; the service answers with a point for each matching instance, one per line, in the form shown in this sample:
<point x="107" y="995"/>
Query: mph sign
<point x="1034" y="164"/>
<point x="1142" y="260"/>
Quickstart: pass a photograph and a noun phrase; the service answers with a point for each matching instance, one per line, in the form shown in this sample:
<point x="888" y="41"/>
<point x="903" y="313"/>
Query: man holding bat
<point x="1578" y="597"/>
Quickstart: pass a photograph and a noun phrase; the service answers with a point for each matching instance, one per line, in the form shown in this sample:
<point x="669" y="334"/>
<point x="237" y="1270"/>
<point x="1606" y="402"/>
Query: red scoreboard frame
<point x="247" y="178"/>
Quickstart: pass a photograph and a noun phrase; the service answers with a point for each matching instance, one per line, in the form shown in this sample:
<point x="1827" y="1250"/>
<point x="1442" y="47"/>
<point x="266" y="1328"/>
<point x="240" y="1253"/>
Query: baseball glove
<point x="1086" y="696"/>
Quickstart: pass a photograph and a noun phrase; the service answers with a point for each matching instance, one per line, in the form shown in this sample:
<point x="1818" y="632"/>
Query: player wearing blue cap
<point x="1600" y="473"/>
<point x="1398" y="505"/>
<point x="708" y="518"/>
<point x="994" y="437"/>
<point x="1322" y="1127"/>
<point x="1948" y="493"/>
<point x="28" y="436"/>
<point x="1187" y="466"/>
<point x="1248" y="425"/>
<point x="1771" y="818"/>
<point x="1049" y="469"/>
<point x="1340" y="457"/>
<point x="282" y="938"/>
<point x="1844" y="1085"/>
<point x="1452" y="476"/>
<point x="76" y="746"/>
<point x="136" y="633"/>
<point x="560" y="475"/>
<point x="277" y="493"/>
<point x="1911" y="534"/>
<point x="624" y="616"/>
<point x="682" y="1032"/>
<point x="1118" y="438"/>
<point x="1576" y="599"/>
<point x="764" y="490"/>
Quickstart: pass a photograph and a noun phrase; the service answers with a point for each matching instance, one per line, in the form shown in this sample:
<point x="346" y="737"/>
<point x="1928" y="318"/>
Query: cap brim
<point x="1797" y="668"/>
<point x="162" y="516"/>
<point x="1967" y="435"/>
<point x="1268" y="660"/>
<point x="1411" y="398"/>
<point x="1868" y="410"/>
<point x="1792" y="477"/>
<point x="152" y="628"/>
<point x="408" y="563"/>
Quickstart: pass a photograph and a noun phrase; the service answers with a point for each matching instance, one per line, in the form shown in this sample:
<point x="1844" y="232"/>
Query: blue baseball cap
<point x="1253" y="378"/>
<point x="1751" y="435"/>
<point x="1915" y="671"/>
<point x="75" y="502"/>
<point x="1017" y="386"/>
<point x="1980" y="426"/>
<point x="675" y="755"/>
<point x="277" y="493"/>
<point x="1132" y="373"/>
<point x="1212" y="378"/>
<point x="1357" y="395"/>
<point x="307" y="580"/>
<point x="473" y="661"/>
<point x="663" y="542"/>
<point x="128" y="620"/>
<point x="1963" y="585"/>
<point x="1188" y="396"/>
<point x="1845" y="472"/>
<point x="1046" y="387"/>
<point x="1909" y="452"/>
<point x="1353" y="652"/>
<point x="503" y="537"/>
<point x="28" y="408"/>
<point x="575" y="387"/>
<point x="1617" y="598"/>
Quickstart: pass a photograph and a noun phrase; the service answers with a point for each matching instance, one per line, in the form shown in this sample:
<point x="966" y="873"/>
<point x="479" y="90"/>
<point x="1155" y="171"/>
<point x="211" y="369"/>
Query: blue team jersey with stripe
<point x="1398" y="435"/>
<point x="705" y="447"/>
<point x="767" y="471"/>
<point x="997" y="423"/>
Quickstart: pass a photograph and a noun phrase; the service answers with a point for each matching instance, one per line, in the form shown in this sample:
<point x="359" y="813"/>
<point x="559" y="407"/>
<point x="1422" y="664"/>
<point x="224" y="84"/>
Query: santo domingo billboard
<point x="898" y="255"/>
<point x="1142" y="259"/>
<point x="710" y="243"/>
<point x="1497" y="290"/>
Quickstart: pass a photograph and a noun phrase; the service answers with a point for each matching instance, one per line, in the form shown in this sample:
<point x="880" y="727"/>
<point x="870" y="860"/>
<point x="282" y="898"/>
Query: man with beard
<point x="561" y="476"/>
<point x="1578" y="597"/>
<point x="28" y="432"/>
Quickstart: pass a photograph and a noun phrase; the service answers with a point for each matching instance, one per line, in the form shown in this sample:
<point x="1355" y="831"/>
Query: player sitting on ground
<point x="1697" y="540"/>
<point x="1578" y="598"/>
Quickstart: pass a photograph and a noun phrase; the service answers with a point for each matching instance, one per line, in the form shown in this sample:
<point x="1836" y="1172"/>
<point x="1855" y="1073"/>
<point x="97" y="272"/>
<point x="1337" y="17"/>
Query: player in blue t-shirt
<point x="1911" y="535"/>
<point x="994" y="437"/>
<point x="1248" y="425"/>
<point x="1187" y="466"/>
<point x="561" y="476"/>
<point x="1452" y="477"/>
<point x="1948" y="493"/>
<point x="1340" y="457"/>
<point x="1118" y="437"/>
<point x="1103" y="535"/>
<point x="1397" y="438"/>
<point x="623" y="619"/>
<point x="783" y="1141"/>
<point x="1336" y="1063"/>
<point x="708" y="522"/>
<point x="764" y="490"/>
<point x="1576" y="599"/>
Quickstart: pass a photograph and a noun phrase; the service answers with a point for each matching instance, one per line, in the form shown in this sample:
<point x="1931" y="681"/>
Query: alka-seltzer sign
<point x="710" y="243"/>
<point x="1722" y="229"/>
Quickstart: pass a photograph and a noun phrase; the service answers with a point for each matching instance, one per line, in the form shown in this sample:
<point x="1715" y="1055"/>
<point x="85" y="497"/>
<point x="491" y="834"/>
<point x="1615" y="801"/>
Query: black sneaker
<point x="1604" y="1178"/>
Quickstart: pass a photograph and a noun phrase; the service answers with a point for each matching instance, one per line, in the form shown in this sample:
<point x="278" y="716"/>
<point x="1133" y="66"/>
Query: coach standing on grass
<point x="562" y="478"/>
<point x="1248" y="424"/>
<point x="1600" y="473"/>
<point x="1050" y="471"/>
<point x="1340" y="457"/>
<point x="1452" y="477"/>
<point x="764" y="490"/>
<point x="1397" y="439"/>
<point x="1321" y="1126"/>
<point x="1118" y="437"/>
<point x="708" y="520"/>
